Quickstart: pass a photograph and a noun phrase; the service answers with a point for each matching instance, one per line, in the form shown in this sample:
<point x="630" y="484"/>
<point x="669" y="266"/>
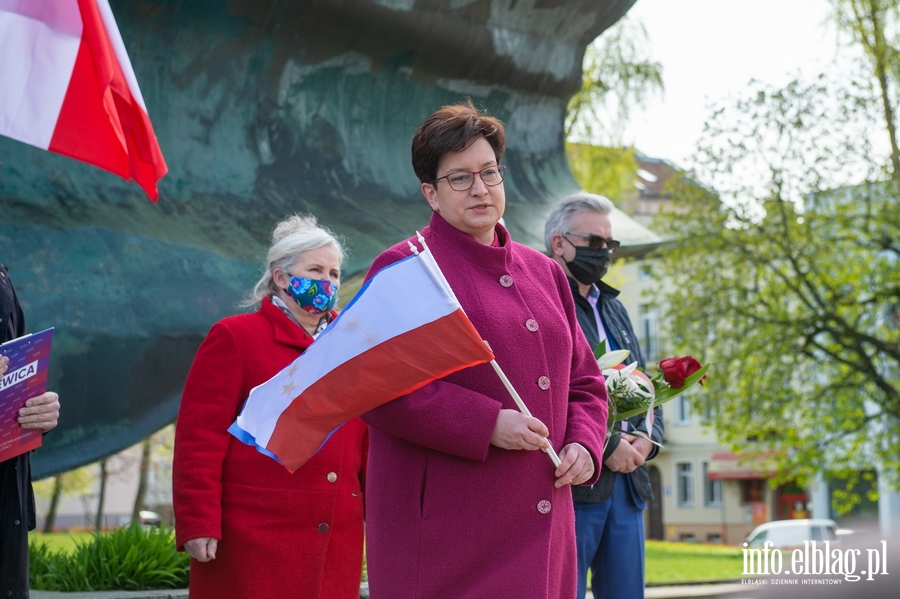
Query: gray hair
<point x="291" y="238"/>
<point x="562" y="218"/>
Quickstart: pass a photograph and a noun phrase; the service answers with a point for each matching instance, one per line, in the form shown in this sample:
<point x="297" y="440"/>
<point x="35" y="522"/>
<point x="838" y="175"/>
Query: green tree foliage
<point x="617" y="76"/>
<point x="156" y="458"/>
<point x="72" y="483"/>
<point x="606" y="171"/>
<point x="872" y="25"/>
<point x="787" y="276"/>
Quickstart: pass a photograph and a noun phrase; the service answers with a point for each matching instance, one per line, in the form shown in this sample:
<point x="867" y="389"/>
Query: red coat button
<point x="544" y="383"/>
<point x="506" y="281"/>
<point x="532" y="325"/>
<point x="544" y="506"/>
<point x="323" y="528"/>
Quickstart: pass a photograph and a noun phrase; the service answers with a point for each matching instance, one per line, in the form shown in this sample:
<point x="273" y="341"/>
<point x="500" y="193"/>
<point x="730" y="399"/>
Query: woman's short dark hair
<point x="453" y="129"/>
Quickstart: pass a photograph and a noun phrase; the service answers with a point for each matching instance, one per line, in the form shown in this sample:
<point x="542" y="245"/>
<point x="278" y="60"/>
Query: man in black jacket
<point x="609" y="520"/>
<point x="17" y="515"/>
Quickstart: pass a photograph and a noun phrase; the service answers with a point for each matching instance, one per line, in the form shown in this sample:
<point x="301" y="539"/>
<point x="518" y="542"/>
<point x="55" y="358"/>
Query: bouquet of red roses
<point x="632" y="392"/>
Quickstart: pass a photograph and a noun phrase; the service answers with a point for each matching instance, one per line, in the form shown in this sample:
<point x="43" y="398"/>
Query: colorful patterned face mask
<point x="314" y="296"/>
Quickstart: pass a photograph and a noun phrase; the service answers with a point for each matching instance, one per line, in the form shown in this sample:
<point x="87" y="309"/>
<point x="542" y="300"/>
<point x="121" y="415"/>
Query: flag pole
<point x="523" y="408"/>
<point x="554" y="457"/>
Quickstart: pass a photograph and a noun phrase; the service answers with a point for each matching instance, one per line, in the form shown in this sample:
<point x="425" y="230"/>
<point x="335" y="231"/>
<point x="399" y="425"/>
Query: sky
<point x="710" y="49"/>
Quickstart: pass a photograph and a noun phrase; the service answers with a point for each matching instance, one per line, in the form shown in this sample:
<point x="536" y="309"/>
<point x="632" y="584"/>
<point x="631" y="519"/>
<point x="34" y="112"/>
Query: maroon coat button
<point x="532" y="325"/>
<point x="544" y="506"/>
<point x="544" y="383"/>
<point x="323" y="528"/>
<point x="506" y="281"/>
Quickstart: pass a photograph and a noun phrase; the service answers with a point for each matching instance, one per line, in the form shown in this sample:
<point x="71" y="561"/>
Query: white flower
<point x="629" y="381"/>
<point x="612" y="358"/>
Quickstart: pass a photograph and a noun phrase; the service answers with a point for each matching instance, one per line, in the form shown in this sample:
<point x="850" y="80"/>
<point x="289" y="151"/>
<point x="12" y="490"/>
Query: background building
<point x="704" y="492"/>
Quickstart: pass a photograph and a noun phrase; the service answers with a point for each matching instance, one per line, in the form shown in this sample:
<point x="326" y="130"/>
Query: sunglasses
<point x="595" y="242"/>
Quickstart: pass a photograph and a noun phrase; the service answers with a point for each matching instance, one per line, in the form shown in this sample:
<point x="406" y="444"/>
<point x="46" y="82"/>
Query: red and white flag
<point x="67" y="86"/>
<point x="378" y="349"/>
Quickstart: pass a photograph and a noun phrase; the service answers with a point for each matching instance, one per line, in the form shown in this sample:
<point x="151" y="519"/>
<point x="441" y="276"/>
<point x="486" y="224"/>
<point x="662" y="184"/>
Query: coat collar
<point x="606" y="291"/>
<point x="468" y="247"/>
<point x="287" y="332"/>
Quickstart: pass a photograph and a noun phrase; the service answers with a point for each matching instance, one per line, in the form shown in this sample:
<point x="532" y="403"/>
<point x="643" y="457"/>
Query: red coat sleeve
<point x="209" y="405"/>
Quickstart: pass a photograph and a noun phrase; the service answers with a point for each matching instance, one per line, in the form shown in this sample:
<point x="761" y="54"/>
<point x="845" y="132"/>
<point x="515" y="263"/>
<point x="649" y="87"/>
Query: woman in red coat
<point x="253" y="529"/>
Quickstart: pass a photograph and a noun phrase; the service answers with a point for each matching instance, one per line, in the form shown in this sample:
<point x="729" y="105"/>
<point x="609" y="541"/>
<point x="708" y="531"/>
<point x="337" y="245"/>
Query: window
<point x="709" y="410"/>
<point x="712" y="489"/>
<point x="683" y="409"/>
<point x="645" y="272"/>
<point x="759" y="540"/>
<point x="685" y="477"/>
<point x="751" y="491"/>
<point x="648" y="332"/>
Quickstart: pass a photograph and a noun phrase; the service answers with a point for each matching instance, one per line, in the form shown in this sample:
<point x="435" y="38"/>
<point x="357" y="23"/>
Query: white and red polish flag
<point x="377" y="350"/>
<point x="67" y="86"/>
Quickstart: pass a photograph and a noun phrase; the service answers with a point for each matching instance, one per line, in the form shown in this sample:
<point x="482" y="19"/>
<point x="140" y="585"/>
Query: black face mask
<point x="589" y="265"/>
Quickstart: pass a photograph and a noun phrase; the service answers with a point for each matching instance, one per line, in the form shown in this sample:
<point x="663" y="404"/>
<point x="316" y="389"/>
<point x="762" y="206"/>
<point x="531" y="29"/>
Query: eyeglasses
<point x="595" y="242"/>
<point x="464" y="180"/>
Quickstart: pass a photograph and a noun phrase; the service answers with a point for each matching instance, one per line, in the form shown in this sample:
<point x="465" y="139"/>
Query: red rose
<point x="676" y="370"/>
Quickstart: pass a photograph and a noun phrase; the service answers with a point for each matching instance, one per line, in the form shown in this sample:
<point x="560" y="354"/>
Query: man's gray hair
<point x="562" y="218"/>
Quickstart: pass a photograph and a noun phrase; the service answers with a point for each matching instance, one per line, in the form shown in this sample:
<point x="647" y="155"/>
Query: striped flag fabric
<point x="67" y="86"/>
<point x="377" y="350"/>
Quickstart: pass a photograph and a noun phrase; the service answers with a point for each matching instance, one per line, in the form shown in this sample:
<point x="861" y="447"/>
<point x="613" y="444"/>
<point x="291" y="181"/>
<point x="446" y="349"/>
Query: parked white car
<point x="792" y="533"/>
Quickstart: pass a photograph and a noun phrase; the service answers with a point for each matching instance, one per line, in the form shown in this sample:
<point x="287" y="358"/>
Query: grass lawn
<point x="675" y="562"/>
<point x="60" y="541"/>
<point x="666" y="562"/>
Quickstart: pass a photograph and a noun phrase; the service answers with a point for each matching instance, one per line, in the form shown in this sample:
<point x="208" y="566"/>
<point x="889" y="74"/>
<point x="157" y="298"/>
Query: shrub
<point x="43" y="560"/>
<point x="128" y="559"/>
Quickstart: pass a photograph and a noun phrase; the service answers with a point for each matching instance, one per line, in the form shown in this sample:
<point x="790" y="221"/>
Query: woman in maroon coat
<point x="459" y="502"/>
<point x="253" y="529"/>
